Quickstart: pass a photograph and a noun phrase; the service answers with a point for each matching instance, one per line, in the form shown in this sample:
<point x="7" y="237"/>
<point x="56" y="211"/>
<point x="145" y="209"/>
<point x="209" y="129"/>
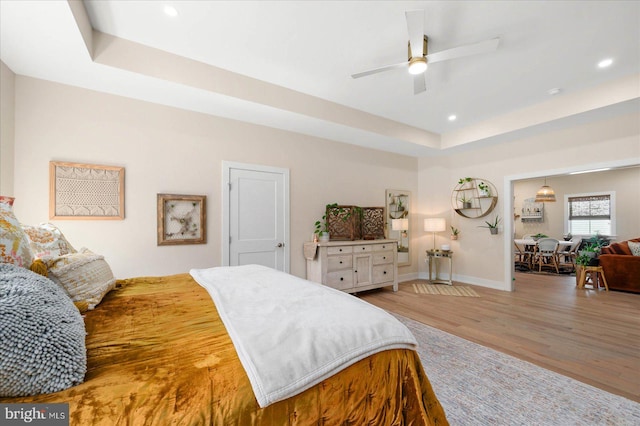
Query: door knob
<point x="280" y="245"/>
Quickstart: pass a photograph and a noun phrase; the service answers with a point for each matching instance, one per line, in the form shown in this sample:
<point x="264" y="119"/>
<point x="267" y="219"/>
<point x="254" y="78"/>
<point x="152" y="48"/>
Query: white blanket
<point x="290" y="333"/>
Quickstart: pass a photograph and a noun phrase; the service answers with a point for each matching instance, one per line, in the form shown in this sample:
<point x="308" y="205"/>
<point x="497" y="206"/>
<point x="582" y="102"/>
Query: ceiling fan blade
<point x="466" y="50"/>
<point x="381" y="69"/>
<point x="419" y="84"/>
<point x="415" y="27"/>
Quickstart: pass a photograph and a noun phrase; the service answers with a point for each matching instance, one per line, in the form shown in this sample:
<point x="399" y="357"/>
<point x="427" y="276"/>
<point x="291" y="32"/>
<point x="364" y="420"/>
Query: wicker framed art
<point x="85" y="191"/>
<point x="182" y="219"/>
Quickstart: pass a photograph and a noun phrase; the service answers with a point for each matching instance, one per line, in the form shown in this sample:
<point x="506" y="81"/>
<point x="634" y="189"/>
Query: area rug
<point x="477" y="385"/>
<point x="447" y="290"/>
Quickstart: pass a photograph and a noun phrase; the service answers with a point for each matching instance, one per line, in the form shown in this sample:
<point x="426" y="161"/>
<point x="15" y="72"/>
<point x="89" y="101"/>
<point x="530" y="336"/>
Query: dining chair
<point x="547" y="253"/>
<point x="519" y="256"/>
<point x="569" y="253"/>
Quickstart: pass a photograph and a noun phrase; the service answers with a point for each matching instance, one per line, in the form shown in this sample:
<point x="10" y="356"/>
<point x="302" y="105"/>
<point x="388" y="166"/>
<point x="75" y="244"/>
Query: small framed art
<point x="182" y="219"/>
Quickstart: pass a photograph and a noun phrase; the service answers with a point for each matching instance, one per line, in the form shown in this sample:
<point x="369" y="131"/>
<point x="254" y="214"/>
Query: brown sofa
<point x="621" y="268"/>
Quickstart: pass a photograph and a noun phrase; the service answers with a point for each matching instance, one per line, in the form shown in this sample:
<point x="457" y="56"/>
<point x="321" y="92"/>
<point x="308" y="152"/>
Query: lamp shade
<point x="545" y="194"/>
<point x="399" y="224"/>
<point x="435" y="224"/>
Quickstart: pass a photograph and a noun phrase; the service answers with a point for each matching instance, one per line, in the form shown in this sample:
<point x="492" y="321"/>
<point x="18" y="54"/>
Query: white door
<point x="256" y="223"/>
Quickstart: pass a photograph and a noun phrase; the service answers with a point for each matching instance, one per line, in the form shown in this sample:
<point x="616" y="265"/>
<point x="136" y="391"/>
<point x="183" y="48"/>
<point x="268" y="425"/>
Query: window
<point x="589" y="214"/>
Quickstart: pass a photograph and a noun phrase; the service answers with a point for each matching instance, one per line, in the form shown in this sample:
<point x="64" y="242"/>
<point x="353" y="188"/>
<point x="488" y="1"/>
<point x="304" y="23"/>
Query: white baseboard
<point x="408" y="277"/>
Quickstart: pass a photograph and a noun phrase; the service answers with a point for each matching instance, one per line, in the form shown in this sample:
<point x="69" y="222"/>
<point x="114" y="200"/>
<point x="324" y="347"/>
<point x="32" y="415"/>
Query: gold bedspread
<point x="158" y="354"/>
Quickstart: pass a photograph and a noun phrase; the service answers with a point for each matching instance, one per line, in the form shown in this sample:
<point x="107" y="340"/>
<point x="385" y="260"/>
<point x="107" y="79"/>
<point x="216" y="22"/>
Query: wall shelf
<point x="482" y="201"/>
<point x="532" y="211"/>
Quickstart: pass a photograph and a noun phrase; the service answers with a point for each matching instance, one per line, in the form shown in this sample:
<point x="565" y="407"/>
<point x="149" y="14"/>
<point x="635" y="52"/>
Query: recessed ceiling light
<point x="554" y="91"/>
<point x="605" y="63"/>
<point x="452" y="117"/>
<point x="170" y="10"/>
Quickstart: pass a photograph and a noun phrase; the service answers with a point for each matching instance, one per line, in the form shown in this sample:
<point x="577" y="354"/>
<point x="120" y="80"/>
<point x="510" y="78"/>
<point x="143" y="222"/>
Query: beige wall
<point x="7" y="79"/>
<point x="480" y="258"/>
<point x="625" y="183"/>
<point x="167" y="150"/>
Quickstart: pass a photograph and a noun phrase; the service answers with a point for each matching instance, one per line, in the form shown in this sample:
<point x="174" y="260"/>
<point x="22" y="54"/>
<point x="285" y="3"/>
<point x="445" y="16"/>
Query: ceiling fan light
<point x="417" y="65"/>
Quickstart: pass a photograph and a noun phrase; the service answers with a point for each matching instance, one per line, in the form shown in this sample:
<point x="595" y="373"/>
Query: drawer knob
<point x="340" y="249"/>
<point x="341" y="279"/>
<point x="363" y="248"/>
<point x="384" y="273"/>
<point x="384" y="257"/>
<point x="341" y="262"/>
<point x="356" y="271"/>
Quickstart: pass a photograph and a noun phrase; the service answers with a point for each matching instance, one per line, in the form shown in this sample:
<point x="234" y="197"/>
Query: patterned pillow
<point x="634" y="247"/>
<point x="47" y="240"/>
<point x="85" y="276"/>
<point x="8" y="200"/>
<point x="14" y="244"/>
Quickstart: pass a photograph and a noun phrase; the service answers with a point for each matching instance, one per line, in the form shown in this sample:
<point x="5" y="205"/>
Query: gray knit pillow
<point x="42" y="335"/>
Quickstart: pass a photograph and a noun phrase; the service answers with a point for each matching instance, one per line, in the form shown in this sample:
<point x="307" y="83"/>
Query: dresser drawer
<point x="382" y="257"/>
<point x="382" y="247"/>
<point x="340" y="279"/>
<point x="365" y="248"/>
<point x="336" y="263"/>
<point x="382" y="273"/>
<point x="339" y="250"/>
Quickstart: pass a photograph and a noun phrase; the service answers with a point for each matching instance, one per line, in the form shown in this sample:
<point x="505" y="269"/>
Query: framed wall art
<point x="182" y="219"/>
<point x="397" y="221"/>
<point x="85" y="191"/>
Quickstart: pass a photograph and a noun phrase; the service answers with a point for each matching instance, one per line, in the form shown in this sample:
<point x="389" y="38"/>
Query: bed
<point x="158" y="353"/>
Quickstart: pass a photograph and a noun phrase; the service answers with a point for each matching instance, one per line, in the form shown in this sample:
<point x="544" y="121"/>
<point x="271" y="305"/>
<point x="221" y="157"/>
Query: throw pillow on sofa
<point x="634" y="247"/>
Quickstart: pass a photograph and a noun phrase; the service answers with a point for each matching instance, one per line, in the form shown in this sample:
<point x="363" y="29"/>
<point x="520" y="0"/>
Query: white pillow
<point x="85" y="276"/>
<point x="634" y="247"/>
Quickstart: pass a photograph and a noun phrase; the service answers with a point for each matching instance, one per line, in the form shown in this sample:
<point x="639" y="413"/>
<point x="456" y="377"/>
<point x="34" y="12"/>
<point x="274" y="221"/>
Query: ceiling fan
<point x="419" y="57"/>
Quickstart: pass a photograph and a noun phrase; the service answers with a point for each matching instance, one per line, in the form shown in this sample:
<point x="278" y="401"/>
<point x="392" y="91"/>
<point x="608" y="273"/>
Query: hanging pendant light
<point x="545" y="194"/>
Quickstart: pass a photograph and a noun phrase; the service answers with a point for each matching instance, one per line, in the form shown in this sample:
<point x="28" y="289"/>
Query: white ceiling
<point x="313" y="47"/>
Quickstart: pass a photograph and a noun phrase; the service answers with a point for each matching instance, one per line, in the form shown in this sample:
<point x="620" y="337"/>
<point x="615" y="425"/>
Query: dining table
<point x="532" y="242"/>
<point x="527" y="247"/>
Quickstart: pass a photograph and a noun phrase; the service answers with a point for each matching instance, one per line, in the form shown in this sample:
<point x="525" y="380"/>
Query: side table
<point x="432" y="258"/>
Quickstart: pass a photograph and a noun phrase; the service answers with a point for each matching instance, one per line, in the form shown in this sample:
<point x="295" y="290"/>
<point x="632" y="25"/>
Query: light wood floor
<point x="589" y="335"/>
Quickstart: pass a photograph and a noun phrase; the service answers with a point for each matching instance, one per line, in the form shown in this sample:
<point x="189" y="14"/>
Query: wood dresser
<point x="353" y="266"/>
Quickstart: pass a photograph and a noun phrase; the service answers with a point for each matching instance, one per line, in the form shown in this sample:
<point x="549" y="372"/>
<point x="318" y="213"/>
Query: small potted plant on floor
<point x="493" y="226"/>
<point x="582" y="260"/>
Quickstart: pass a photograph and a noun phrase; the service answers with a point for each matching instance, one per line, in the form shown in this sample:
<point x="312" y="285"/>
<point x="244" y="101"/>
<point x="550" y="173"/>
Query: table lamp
<point x="433" y="225"/>
<point x="401" y="225"/>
